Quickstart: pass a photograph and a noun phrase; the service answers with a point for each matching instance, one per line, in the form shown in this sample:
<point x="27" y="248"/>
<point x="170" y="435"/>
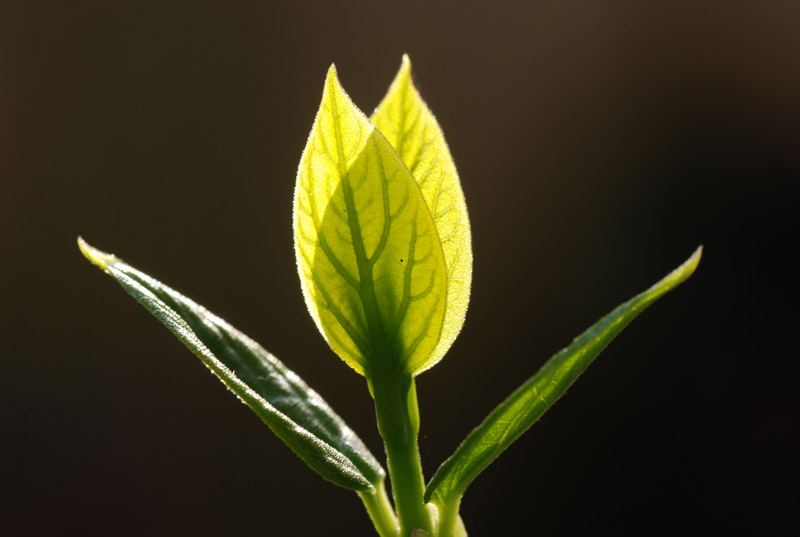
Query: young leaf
<point x="294" y="412"/>
<point x="523" y="407"/>
<point x="371" y="265"/>
<point x="407" y="123"/>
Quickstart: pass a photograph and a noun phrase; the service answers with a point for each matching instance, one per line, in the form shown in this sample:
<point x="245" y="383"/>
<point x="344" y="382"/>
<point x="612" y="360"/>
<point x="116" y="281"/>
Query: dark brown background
<point x="598" y="144"/>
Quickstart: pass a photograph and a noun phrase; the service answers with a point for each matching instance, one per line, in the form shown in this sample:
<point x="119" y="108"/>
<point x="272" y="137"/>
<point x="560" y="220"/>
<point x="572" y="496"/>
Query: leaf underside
<point x="294" y="412"/>
<point x="527" y="404"/>
<point x="408" y="124"/>
<point x="371" y="266"/>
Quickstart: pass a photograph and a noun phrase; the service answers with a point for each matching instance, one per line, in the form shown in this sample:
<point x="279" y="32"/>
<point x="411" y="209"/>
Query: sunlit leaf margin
<point x="294" y="412"/>
<point x="527" y="404"/>
<point x="409" y="125"/>
<point x="370" y="261"/>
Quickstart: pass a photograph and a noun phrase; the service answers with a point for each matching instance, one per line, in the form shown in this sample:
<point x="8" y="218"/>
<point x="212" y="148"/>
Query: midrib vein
<point x="366" y="289"/>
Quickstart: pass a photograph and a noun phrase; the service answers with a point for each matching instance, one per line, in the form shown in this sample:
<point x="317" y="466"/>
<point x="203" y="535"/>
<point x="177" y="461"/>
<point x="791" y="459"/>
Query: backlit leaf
<point x="371" y="265"/>
<point x="294" y="412"/>
<point x="527" y="404"/>
<point x="407" y="123"/>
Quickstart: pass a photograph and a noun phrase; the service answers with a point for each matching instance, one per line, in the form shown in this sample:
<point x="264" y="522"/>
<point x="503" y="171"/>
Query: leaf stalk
<point x="380" y="511"/>
<point x="448" y="517"/>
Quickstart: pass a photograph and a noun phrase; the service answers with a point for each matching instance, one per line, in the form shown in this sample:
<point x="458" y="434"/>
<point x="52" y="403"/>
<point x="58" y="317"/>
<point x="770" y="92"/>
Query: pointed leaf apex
<point x="101" y="259"/>
<point x="333" y="85"/>
<point x="694" y="260"/>
<point x="404" y="74"/>
<point x="333" y="76"/>
<point x="682" y="272"/>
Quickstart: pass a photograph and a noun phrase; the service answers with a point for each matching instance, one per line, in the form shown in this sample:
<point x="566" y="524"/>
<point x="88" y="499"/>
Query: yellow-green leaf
<point x="408" y="124"/>
<point x="371" y="265"/>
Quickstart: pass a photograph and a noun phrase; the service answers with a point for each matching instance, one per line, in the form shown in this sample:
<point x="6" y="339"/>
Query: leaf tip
<point x="404" y="74"/>
<point x="101" y="259"/>
<point x="695" y="258"/>
<point x="332" y="77"/>
<point x="688" y="267"/>
<point x="333" y="86"/>
<point x="681" y="273"/>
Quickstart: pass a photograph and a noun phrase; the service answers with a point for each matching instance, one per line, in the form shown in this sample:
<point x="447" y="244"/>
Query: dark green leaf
<point x="294" y="412"/>
<point x="527" y="404"/>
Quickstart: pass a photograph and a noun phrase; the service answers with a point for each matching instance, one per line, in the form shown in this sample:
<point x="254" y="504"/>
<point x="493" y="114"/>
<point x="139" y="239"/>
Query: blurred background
<point x="598" y="144"/>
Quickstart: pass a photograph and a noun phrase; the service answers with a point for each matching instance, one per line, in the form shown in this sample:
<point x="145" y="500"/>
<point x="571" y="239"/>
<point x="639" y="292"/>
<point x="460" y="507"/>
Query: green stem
<point x="448" y="517"/>
<point x="398" y="422"/>
<point x="380" y="511"/>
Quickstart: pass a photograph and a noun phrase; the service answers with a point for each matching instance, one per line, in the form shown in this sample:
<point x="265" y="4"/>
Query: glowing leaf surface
<point x="408" y="124"/>
<point x="371" y="265"/>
